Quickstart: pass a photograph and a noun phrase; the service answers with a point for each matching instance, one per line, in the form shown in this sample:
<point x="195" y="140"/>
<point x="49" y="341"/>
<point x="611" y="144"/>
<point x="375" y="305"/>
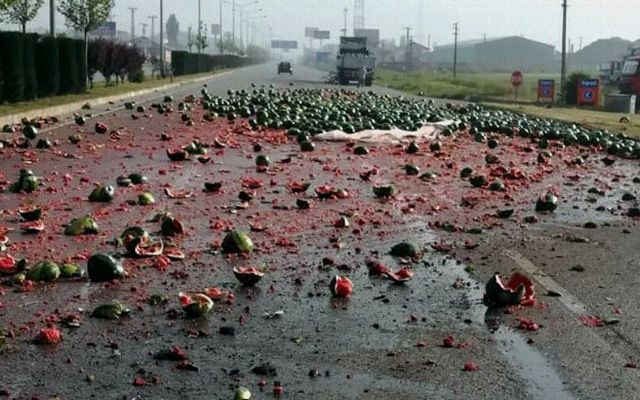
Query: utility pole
<point x="407" y="42"/>
<point x="563" y="67"/>
<point x="162" y="71"/>
<point x="199" y="27"/>
<point x="52" y="17"/>
<point x="344" y="31"/>
<point x="153" y="26"/>
<point x="455" y="49"/>
<point x="133" y="23"/>
<point x="233" y="22"/>
<point x="220" y="35"/>
<point x="241" y="29"/>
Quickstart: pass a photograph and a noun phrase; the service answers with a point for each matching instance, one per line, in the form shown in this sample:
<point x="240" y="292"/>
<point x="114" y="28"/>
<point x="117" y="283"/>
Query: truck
<point x="630" y="77"/>
<point x="610" y="71"/>
<point x="352" y="56"/>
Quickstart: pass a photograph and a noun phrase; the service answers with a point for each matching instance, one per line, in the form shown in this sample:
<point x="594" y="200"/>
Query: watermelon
<point x="401" y="276"/>
<point x="341" y="286"/>
<point x="197" y="305"/>
<point x="32" y="226"/>
<point x="248" y="276"/>
<point x="102" y="194"/>
<point x="518" y="290"/>
<point x="103" y="268"/>
<point x="176" y="154"/>
<point x="46" y="271"/>
<point x="383" y="191"/>
<point x="237" y="242"/>
<point x="7" y="264"/>
<point x="30" y="213"/>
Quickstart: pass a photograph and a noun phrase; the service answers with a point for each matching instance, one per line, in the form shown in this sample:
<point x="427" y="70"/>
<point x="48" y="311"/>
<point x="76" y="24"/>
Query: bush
<point x="136" y="76"/>
<point x="12" y="49"/>
<point x="47" y="67"/>
<point x="82" y="71"/>
<point x="68" y="66"/>
<point x="571" y="87"/>
<point x="30" y="77"/>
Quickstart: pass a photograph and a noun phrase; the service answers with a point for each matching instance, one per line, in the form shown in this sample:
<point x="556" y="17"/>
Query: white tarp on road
<point x="428" y="131"/>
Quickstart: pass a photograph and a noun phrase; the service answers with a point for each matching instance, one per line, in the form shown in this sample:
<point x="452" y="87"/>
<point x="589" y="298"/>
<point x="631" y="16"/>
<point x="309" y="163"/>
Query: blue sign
<point x="588" y="95"/>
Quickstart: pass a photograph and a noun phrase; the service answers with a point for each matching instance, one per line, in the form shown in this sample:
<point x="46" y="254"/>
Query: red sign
<point x="516" y="78"/>
<point x="588" y="90"/>
<point x="546" y="89"/>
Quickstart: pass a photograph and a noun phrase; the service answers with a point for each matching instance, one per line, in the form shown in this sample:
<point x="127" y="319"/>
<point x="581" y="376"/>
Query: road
<point x="386" y="340"/>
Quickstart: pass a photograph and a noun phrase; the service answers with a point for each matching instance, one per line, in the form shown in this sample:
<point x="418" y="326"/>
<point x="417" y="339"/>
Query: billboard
<point x="108" y="29"/>
<point x="321" y="35"/>
<point x="284" y="44"/>
<point x="215" y="29"/>
<point x="588" y="90"/>
<point x="372" y="35"/>
<point x="546" y="90"/>
<point x="308" y="31"/>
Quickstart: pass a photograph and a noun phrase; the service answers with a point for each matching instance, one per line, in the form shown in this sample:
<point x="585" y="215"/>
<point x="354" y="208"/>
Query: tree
<point x="84" y="16"/>
<point x="173" y="28"/>
<point x="23" y="11"/>
<point x="227" y="44"/>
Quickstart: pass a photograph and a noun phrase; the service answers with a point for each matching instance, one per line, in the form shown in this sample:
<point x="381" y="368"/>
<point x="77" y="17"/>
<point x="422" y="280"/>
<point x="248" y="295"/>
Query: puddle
<point x="532" y="366"/>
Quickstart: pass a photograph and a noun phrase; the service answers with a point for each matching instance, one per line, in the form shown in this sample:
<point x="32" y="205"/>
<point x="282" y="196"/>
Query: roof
<point x="474" y="42"/>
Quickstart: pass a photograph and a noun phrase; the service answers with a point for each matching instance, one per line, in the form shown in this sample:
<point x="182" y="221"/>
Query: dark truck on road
<point x="352" y="57"/>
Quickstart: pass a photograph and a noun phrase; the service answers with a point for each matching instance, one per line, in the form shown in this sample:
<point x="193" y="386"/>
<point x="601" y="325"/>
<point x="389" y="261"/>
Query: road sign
<point x="588" y="91"/>
<point x="284" y="44"/>
<point x="308" y="31"/>
<point x="516" y="78"/>
<point x="215" y="29"/>
<point x="321" y="35"/>
<point x="546" y="90"/>
<point x="108" y="29"/>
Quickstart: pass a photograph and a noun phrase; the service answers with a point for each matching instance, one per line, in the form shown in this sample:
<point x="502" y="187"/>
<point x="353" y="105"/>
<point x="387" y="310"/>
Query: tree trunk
<point x="24" y="28"/>
<point x="86" y="57"/>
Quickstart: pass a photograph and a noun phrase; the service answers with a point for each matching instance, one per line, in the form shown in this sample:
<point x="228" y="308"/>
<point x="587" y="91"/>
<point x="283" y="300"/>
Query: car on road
<point x="284" y="67"/>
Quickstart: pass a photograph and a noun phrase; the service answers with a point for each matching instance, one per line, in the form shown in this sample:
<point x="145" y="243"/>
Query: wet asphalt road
<point x="385" y="342"/>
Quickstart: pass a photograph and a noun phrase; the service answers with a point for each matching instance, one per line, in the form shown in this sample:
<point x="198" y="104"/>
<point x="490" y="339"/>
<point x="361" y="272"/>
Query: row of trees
<point x="115" y="60"/>
<point x="81" y="15"/>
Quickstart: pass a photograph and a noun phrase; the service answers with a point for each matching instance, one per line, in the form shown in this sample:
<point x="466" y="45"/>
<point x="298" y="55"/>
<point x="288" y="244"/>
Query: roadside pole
<point x="563" y="68"/>
<point x="162" y="58"/>
<point x="52" y="17"/>
<point x="455" y="49"/>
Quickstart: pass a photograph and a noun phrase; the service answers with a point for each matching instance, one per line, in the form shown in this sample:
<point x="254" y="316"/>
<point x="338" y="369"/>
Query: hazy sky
<point x="535" y="19"/>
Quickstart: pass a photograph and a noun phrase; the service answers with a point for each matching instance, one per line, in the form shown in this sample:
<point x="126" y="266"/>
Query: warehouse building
<point x="497" y="54"/>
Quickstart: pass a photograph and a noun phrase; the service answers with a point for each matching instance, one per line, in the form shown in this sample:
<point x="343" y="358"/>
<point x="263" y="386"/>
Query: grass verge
<point x="586" y="117"/>
<point x="99" y="90"/>
<point x="464" y="86"/>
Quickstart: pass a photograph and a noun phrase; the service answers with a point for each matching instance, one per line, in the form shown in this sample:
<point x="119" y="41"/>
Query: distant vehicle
<point x="610" y="71"/>
<point x="284" y="67"/>
<point x="630" y="77"/>
<point x="353" y="58"/>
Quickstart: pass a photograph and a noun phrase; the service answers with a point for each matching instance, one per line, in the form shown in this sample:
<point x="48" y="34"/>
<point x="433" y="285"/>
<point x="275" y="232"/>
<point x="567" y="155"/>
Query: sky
<point x="541" y="20"/>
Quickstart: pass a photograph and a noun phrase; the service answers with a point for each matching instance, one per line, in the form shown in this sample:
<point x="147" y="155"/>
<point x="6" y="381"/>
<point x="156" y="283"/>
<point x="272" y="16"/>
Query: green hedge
<point x="82" y="70"/>
<point x="12" y="59"/>
<point x="68" y="66"/>
<point x="185" y="63"/>
<point x="30" y="76"/>
<point x="47" y="67"/>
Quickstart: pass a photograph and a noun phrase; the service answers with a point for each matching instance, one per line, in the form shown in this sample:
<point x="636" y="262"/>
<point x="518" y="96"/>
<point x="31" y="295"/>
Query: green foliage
<point x="30" y="77"/>
<point x="136" y="76"/>
<point x="571" y="87"/>
<point x="68" y="66"/>
<point x="11" y="43"/>
<point x="85" y="15"/>
<point x="22" y="11"/>
<point x="47" y="66"/>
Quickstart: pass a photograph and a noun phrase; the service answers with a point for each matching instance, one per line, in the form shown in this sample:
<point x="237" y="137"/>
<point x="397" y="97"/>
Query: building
<point x="497" y="54"/>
